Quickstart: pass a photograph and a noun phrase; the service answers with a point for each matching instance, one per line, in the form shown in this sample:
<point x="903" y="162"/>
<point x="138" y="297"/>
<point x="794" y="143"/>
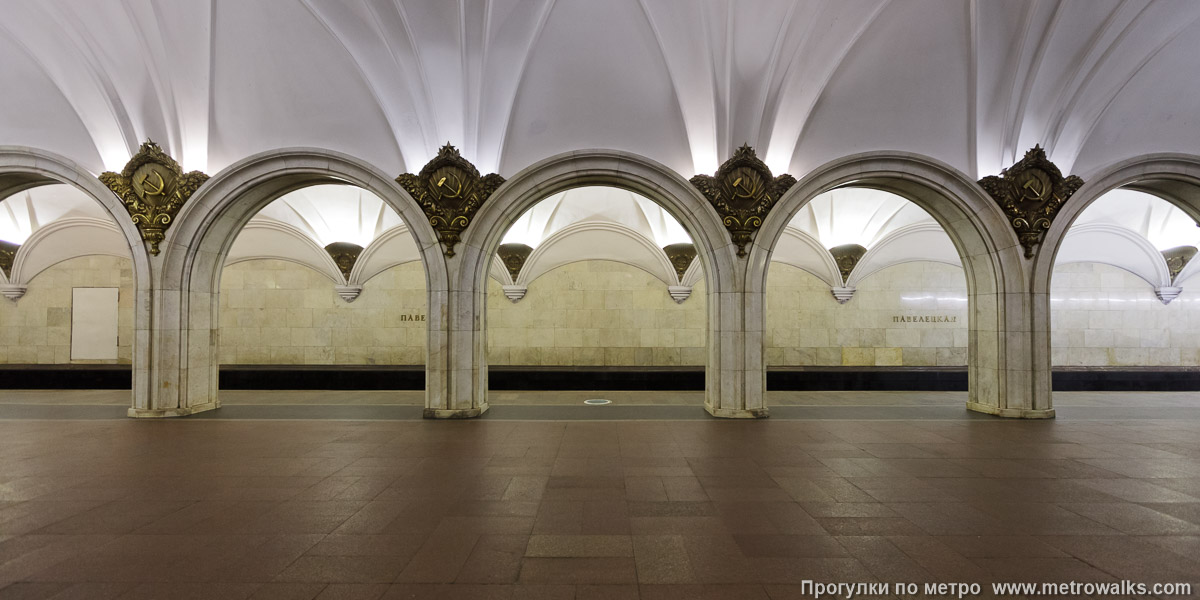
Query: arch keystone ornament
<point x="743" y="192"/>
<point x="450" y="191"/>
<point x="1031" y="192"/>
<point x="153" y="188"/>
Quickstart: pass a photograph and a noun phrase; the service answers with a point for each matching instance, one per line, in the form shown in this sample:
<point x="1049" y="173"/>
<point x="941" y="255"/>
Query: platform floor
<point x="505" y="507"/>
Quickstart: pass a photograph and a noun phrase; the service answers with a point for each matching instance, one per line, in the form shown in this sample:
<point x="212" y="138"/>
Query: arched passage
<point x="22" y="168"/>
<point x="1172" y="177"/>
<point x="185" y="333"/>
<point x="1002" y="377"/>
<point x="725" y="373"/>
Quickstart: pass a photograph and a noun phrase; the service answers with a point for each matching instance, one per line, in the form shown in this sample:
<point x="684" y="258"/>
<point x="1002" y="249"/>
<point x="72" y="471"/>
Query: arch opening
<point x="1000" y="375"/>
<point x="865" y="292"/>
<point x="1120" y="297"/>
<point x="323" y="288"/>
<point x="607" y="289"/>
<point x="1164" y="190"/>
<point x="204" y="238"/>
<point x="723" y="375"/>
<point x="67" y="278"/>
<point x="110" y="237"/>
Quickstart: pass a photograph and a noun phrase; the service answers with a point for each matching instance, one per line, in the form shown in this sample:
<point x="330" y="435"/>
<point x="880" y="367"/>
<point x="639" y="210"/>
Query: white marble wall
<point x="278" y="312"/>
<point x="807" y="326"/>
<point x="596" y="313"/>
<point x="37" y="328"/>
<point x="607" y="313"/>
<point x="1104" y="316"/>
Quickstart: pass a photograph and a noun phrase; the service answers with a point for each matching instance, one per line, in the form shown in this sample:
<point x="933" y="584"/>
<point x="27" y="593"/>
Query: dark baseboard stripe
<point x="320" y="377"/>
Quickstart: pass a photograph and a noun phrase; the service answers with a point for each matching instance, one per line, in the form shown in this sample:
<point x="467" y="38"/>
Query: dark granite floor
<point x="198" y="508"/>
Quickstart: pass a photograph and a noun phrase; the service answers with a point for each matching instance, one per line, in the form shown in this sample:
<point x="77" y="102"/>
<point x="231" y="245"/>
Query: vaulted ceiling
<point x="973" y="83"/>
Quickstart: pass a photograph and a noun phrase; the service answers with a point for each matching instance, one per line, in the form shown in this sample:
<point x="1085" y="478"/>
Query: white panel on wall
<point x="94" y="323"/>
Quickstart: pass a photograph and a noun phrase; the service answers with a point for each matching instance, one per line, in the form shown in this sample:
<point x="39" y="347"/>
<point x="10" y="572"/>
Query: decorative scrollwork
<point x="681" y="257"/>
<point x="743" y="192"/>
<point x="450" y="191"/>
<point x="514" y="256"/>
<point x="1177" y="258"/>
<point x="153" y="188"/>
<point x="344" y="255"/>
<point x="847" y="256"/>
<point x="8" y="253"/>
<point x="1031" y="192"/>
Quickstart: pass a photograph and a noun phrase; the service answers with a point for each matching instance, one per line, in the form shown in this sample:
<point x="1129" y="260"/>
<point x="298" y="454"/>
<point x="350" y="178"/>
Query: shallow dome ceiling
<point x="510" y="82"/>
<point x="331" y="213"/>
<point x="856" y="216"/>
<point x="1151" y="217"/>
<point x="596" y="204"/>
<point x="22" y="214"/>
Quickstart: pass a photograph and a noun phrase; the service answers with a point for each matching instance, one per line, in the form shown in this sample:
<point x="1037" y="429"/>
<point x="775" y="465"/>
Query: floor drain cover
<point x="597" y="401"/>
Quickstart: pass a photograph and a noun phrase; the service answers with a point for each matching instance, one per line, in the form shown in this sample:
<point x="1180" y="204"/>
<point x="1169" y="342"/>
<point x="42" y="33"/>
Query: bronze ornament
<point x="344" y="254"/>
<point x="681" y="257"/>
<point x="847" y="256"/>
<point x="1031" y="192"/>
<point x="450" y="191"/>
<point x="1177" y="258"/>
<point x="743" y="192"/>
<point x="8" y="253"/>
<point x="514" y="256"/>
<point x="153" y="188"/>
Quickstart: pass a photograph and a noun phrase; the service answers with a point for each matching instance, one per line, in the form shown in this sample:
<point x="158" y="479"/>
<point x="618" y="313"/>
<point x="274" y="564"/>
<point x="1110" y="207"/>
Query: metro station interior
<point x="576" y="299"/>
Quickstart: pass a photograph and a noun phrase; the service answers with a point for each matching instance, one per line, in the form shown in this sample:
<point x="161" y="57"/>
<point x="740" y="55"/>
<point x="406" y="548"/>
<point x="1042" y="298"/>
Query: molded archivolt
<point x="65" y="239"/>
<point x="186" y="295"/>
<point x="280" y="241"/>
<point x="911" y="243"/>
<point x="1002" y="375"/>
<point x="1116" y="246"/>
<point x="597" y="241"/>
<point x="262" y="239"/>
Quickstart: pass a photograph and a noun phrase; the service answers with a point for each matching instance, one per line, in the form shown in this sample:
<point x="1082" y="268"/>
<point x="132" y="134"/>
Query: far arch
<point x="1174" y="178"/>
<point x="195" y="250"/>
<point x="23" y="167"/>
<point x="1002" y="376"/>
<point x="725" y="371"/>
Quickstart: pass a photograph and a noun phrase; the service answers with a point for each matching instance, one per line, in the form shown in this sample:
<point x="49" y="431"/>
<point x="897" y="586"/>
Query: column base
<point x="162" y="413"/>
<point x="459" y="413"/>
<point x="1012" y="413"/>
<point x="737" y="413"/>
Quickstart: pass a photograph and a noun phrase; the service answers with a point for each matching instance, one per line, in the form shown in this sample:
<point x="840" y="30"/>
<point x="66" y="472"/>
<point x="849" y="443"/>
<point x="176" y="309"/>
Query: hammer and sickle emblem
<point x="1035" y="186"/>
<point x="451" y="193"/>
<point x="741" y="191"/>
<point x="153" y="189"/>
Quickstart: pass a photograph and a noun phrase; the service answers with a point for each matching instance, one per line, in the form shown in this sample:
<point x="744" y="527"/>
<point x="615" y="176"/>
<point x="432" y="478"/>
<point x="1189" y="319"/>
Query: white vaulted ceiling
<point x="973" y="83"/>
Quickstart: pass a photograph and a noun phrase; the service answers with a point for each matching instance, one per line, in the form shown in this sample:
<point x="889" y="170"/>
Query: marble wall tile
<point x="37" y="328"/>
